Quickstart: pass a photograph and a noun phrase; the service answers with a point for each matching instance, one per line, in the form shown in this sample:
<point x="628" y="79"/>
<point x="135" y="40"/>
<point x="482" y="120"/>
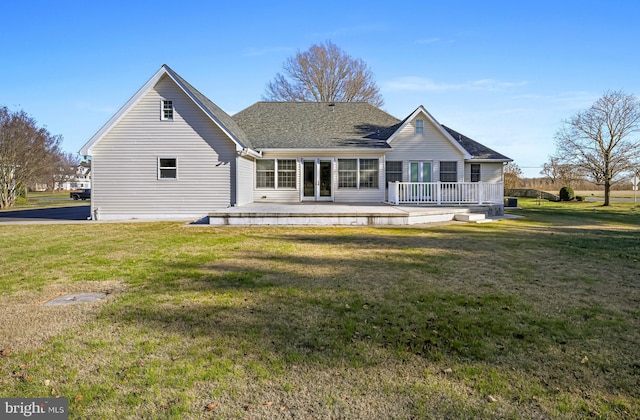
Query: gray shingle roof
<point x="316" y="125"/>
<point x="224" y="118"/>
<point x="475" y="149"/>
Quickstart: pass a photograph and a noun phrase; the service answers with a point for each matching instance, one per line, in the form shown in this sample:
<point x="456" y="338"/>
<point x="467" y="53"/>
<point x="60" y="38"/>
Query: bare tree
<point x="324" y="73"/>
<point x="512" y="175"/>
<point x="64" y="168"/>
<point x="603" y="140"/>
<point x="562" y="173"/>
<point x="25" y="149"/>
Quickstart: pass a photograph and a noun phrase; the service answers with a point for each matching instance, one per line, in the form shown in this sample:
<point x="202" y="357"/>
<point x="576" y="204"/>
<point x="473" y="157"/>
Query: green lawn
<point x="46" y="199"/>
<point x="536" y="317"/>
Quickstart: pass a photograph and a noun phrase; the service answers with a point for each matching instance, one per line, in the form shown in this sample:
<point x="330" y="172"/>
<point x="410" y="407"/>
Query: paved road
<point x="614" y="199"/>
<point x="50" y="215"/>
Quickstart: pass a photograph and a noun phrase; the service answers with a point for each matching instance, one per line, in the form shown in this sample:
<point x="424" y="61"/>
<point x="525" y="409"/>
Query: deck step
<point x="470" y="217"/>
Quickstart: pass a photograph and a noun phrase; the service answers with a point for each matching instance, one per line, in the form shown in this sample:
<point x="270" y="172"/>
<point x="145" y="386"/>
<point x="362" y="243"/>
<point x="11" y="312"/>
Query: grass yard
<point x="39" y="199"/>
<point x="536" y="318"/>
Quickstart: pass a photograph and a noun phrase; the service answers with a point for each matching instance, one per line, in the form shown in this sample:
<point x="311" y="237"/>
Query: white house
<point x="170" y="152"/>
<point x="81" y="179"/>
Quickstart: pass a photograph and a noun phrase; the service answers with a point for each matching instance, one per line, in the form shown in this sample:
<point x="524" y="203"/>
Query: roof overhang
<point x="249" y="152"/>
<point x="351" y="150"/>
<point x="472" y="160"/>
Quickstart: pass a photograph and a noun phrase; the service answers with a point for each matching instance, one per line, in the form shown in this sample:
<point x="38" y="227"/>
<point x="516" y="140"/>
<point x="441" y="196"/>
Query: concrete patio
<point x="349" y="214"/>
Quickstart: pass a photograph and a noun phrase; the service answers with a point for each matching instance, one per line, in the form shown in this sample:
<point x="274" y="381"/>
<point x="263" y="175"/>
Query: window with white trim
<point x="419" y="126"/>
<point x="167" y="110"/>
<point x="358" y="173"/>
<point x="167" y="168"/>
<point x="286" y="173"/>
<point x="368" y="173"/>
<point x="475" y="172"/>
<point x="276" y="173"/>
<point x="393" y="171"/>
<point x="265" y="173"/>
<point x="449" y="171"/>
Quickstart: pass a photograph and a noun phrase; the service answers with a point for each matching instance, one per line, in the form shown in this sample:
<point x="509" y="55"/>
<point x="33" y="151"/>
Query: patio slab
<point x="339" y="214"/>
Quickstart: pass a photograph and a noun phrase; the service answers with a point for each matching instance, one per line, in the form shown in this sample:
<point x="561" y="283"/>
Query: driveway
<point x="73" y="214"/>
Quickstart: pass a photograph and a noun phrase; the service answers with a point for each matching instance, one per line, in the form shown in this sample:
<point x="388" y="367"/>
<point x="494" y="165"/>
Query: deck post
<point x="439" y="193"/>
<point x="396" y="192"/>
<point x="480" y="192"/>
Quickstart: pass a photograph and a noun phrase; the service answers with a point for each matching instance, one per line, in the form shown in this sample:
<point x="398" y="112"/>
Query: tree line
<point x="29" y="155"/>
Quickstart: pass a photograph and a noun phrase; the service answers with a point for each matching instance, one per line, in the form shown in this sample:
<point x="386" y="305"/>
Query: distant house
<point x="170" y="152"/>
<point x="81" y="178"/>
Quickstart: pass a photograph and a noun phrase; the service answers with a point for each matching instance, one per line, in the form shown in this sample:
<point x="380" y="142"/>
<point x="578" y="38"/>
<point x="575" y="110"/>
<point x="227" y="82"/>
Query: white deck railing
<point x="446" y="192"/>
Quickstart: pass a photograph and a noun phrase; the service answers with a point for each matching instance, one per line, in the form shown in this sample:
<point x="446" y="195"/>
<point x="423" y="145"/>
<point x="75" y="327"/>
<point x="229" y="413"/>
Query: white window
<point x="167" y="168"/>
<point x="272" y="173"/>
<point x="358" y="173"/>
<point x="368" y="173"/>
<point x="167" y="110"/>
<point x="449" y="171"/>
<point x="265" y="173"/>
<point x="419" y="126"/>
<point x="347" y="173"/>
<point x="475" y="172"/>
<point x="286" y="173"/>
<point x="393" y="171"/>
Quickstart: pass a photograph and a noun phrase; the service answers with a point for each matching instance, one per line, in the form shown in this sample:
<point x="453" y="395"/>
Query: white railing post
<point x="480" y="191"/>
<point x="439" y="193"/>
<point x="393" y="192"/>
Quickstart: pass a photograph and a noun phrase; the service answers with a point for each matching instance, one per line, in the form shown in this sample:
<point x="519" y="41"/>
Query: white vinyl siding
<point x="489" y="172"/>
<point x="125" y="162"/>
<point x="431" y="145"/>
<point x="245" y="181"/>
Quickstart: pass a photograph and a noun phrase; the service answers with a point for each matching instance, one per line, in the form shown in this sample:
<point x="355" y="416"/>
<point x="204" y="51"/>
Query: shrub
<point x="579" y="198"/>
<point x="566" y="194"/>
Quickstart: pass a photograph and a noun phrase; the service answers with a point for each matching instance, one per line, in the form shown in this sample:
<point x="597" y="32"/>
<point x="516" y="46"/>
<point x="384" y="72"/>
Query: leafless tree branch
<point x="324" y="73"/>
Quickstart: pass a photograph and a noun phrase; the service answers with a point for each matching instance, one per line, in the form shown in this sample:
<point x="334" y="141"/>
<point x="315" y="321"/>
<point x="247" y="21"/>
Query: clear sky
<point x="505" y="73"/>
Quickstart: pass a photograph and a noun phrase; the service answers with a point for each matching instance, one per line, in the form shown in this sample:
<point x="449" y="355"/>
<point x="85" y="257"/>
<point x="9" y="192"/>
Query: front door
<point x="317" y="180"/>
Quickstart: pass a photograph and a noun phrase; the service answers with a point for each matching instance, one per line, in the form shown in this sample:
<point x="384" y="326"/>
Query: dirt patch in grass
<point x="27" y="323"/>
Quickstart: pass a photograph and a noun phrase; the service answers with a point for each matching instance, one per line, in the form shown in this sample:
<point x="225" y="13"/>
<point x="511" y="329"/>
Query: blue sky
<point x="505" y="73"/>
